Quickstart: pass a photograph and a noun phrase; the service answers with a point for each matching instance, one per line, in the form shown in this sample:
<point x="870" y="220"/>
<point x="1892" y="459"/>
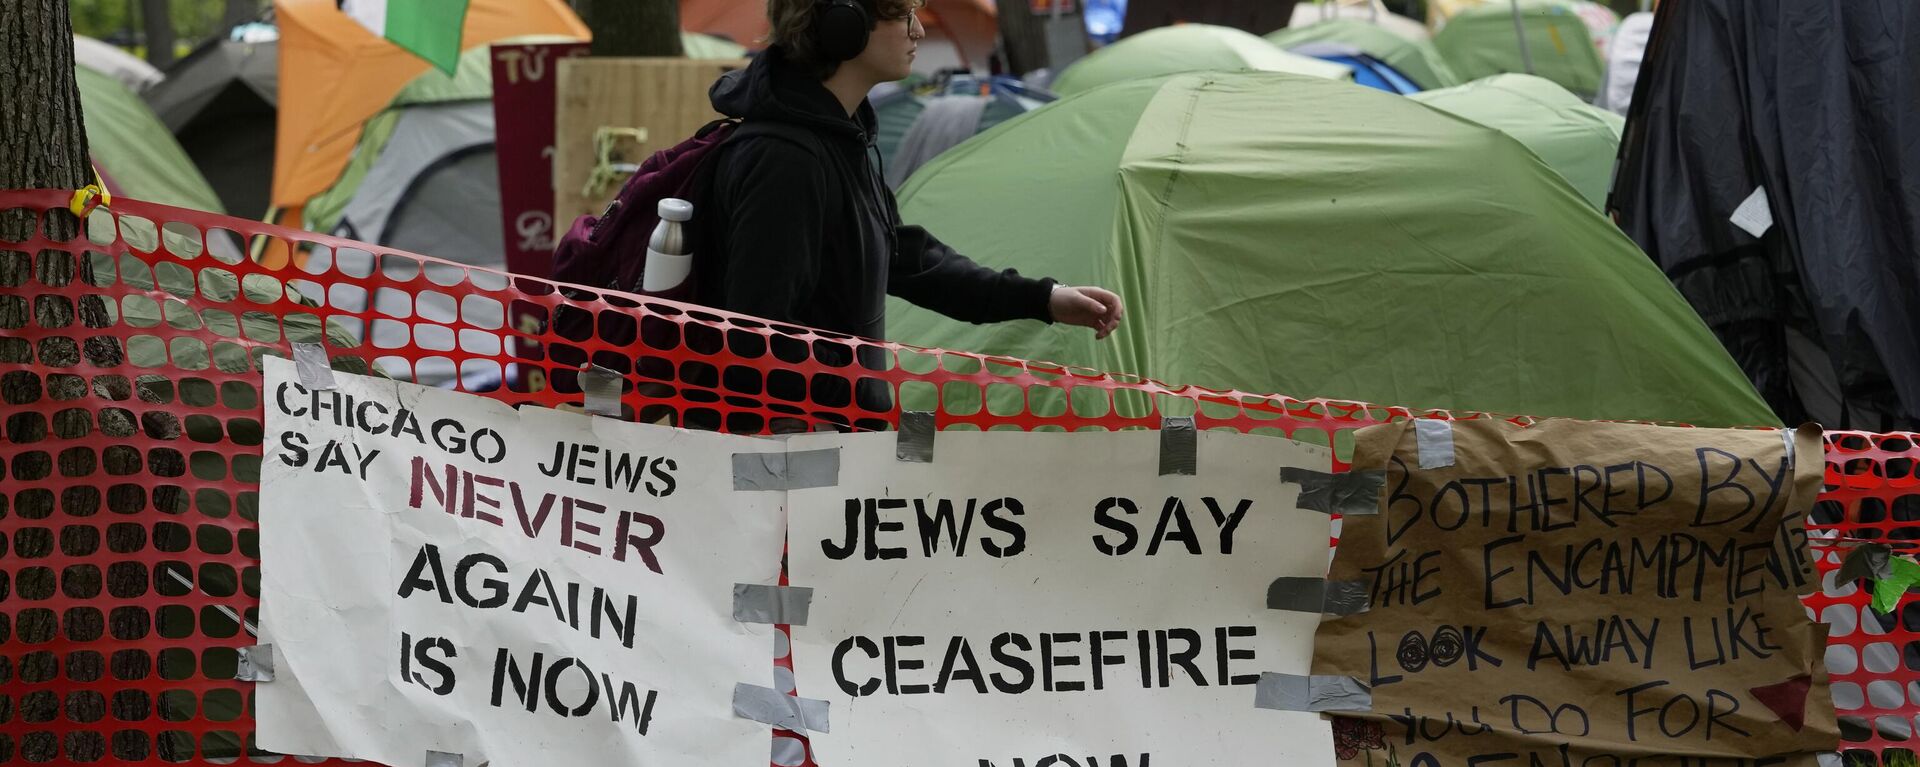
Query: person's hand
<point x="1087" y="307"/>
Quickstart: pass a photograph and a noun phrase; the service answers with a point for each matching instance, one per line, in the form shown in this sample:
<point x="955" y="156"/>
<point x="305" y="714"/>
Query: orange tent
<point x="335" y="75"/>
<point x="969" y="26"/>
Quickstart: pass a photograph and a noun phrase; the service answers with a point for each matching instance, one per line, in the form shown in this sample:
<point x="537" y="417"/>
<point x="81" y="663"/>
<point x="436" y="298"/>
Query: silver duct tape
<point x="1345" y="598"/>
<point x="601" y="388"/>
<point x="757" y="603"/>
<point x="1179" y="447"/>
<point x="1435" y="441"/>
<point x="797" y="470"/>
<point x="1300" y="595"/>
<point x="1349" y="494"/>
<point x="787" y="712"/>
<point x="256" y="664"/>
<point x="1292" y="692"/>
<point x="445" y="759"/>
<point x="915" y="444"/>
<point x="1317" y="595"/>
<point x="313" y="366"/>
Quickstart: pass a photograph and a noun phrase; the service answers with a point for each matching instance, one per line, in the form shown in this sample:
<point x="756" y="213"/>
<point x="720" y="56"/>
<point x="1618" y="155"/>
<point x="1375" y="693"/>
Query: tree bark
<point x="156" y="19"/>
<point x="45" y="143"/>
<point x="634" y="27"/>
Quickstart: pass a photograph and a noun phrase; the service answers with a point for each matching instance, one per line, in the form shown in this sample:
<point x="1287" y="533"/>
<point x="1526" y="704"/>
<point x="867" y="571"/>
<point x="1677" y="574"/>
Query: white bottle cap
<point x="672" y="209"/>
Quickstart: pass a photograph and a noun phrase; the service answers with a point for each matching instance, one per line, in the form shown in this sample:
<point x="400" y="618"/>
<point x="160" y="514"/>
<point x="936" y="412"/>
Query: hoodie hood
<point x="773" y="89"/>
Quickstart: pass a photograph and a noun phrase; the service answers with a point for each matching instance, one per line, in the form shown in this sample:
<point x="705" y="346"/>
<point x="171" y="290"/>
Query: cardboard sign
<point x="1029" y="600"/>
<point x="1580" y="593"/>
<point x="444" y="573"/>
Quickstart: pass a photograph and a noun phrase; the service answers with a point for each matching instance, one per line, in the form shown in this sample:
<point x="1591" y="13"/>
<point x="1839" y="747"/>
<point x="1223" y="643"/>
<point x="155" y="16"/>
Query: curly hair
<point x="791" y="25"/>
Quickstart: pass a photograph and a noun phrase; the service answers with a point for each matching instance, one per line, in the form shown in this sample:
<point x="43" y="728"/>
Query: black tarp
<point x="222" y="103"/>
<point x="1817" y="102"/>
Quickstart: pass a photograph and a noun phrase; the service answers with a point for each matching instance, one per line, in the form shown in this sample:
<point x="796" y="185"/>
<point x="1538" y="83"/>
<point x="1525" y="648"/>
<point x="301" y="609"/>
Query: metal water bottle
<point x="668" y="258"/>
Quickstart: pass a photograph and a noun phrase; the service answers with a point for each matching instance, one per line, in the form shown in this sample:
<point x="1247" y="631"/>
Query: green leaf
<point x="1887" y="592"/>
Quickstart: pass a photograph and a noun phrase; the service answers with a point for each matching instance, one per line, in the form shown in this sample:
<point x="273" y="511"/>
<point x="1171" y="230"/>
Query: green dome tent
<point x="1419" y="61"/>
<point x="134" y="150"/>
<point x="1572" y="136"/>
<point x="1276" y="233"/>
<point x="1187" y="48"/>
<point x="1481" y="42"/>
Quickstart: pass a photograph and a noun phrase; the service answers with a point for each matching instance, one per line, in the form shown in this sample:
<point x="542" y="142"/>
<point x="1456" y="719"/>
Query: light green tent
<point x="133" y="149"/>
<point x="444" y="133"/>
<point x="1187" y="48"/>
<point x="1276" y="233"/>
<point x="1418" y="60"/>
<point x="1574" y="137"/>
<point x="1481" y="41"/>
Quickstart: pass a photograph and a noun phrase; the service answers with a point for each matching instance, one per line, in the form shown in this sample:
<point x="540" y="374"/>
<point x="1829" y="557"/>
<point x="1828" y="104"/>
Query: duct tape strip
<point x="602" y="389"/>
<point x="1179" y="447"/>
<point x="787" y="712"/>
<point x="1435" y="440"/>
<point x="778" y="605"/>
<point x="1349" y="494"/>
<point x="797" y="470"/>
<point x="1317" y="595"/>
<point x="445" y="759"/>
<point x="256" y="664"/>
<point x="316" y="371"/>
<point x="915" y="444"/>
<point x="1292" y="692"/>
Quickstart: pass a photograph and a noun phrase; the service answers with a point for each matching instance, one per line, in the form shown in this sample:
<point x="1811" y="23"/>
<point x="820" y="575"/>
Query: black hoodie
<point x="806" y="231"/>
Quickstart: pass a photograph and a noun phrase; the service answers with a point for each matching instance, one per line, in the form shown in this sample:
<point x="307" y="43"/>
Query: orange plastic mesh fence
<point x="130" y="456"/>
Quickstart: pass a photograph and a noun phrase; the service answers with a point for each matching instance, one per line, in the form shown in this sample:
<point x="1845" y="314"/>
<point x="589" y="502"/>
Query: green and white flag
<point x="429" y="29"/>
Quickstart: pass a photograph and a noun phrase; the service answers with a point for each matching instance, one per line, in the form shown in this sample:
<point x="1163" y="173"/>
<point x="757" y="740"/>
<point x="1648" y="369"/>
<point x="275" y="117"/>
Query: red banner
<point x="524" y="90"/>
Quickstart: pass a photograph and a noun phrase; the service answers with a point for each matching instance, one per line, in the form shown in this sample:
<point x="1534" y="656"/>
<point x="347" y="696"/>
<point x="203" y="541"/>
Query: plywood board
<point x="665" y="97"/>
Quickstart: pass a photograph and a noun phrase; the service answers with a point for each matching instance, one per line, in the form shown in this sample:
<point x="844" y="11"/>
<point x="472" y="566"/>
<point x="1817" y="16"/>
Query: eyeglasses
<point x="913" y="9"/>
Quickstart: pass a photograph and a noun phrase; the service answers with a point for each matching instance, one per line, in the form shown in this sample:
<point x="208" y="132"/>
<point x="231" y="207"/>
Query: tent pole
<point x="1520" y="33"/>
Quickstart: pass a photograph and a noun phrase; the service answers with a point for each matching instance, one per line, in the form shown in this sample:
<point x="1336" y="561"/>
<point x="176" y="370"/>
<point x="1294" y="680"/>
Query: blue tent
<point x="1367" y="70"/>
<point x="915" y="128"/>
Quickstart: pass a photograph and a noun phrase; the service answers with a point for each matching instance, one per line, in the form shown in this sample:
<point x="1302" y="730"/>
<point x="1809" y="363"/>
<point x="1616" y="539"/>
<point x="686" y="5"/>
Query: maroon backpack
<point x="610" y="250"/>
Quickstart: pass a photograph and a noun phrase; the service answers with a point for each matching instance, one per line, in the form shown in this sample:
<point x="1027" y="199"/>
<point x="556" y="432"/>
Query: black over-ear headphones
<point x="840" y="30"/>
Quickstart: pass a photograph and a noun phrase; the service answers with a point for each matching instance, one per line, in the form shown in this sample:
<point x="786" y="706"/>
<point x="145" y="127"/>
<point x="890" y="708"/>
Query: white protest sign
<point x="443" y="573"/>
<point x="1051" y="600"/>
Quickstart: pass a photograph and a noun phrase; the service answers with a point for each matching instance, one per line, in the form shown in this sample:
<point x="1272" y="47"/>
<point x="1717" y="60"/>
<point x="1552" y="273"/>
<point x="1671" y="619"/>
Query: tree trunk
<point x="1258" y="18"/>
<point x="45" y="143"/>
<point x="155" y="17"/>
<point x="1023" y="36"/>
<point x="44" y="146"/>
<point x="634" y="27"/>
<point x="238" y="12"/>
